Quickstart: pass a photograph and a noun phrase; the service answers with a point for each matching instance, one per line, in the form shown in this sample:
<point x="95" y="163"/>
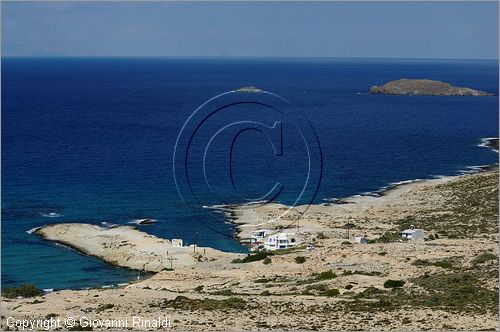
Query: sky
<point x="452" y="30"/>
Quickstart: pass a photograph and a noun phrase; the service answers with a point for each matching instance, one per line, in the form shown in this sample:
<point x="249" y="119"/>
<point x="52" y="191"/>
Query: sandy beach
<point x="447" y="281"/>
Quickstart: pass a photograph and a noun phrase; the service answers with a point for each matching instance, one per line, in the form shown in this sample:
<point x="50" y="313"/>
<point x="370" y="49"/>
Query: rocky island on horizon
<point x="424" y="87"/>
<point x="249" y="89"/>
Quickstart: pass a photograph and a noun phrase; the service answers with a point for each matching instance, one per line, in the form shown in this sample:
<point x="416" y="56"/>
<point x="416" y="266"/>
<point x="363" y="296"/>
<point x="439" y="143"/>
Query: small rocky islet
<point x="425" y="87"/>
<point x="248" y="89"/>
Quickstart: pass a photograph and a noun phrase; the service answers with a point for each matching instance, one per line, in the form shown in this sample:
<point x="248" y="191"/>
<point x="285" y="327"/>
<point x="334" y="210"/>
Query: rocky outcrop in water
<point x="424" y="87"/>
<point x="249" y="89"/>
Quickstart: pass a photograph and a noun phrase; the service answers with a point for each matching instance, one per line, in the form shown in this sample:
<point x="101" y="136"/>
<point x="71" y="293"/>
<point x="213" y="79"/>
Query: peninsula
<point x="125" y="246"/>
<point x="425" y="88"/>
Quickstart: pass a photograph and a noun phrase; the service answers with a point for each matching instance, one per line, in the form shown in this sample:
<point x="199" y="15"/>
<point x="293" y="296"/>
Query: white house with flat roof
<point x="177" y="243"/>
<point x="259" y="234"/>
<point x="281" y="241"/>
<point x="413" y="234"/>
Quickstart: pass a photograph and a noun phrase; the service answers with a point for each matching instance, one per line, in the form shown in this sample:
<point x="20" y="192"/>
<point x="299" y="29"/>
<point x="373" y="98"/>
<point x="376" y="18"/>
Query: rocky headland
<point x="125" y="246"/>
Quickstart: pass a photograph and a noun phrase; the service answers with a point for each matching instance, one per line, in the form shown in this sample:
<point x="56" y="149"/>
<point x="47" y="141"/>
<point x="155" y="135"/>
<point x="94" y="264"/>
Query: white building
<point x="259" y="235"/>
<point x="280" y="241"/>
<point x="177" y="243"/>
<point x="413" y="234"/>
<point x="360" y="239"/>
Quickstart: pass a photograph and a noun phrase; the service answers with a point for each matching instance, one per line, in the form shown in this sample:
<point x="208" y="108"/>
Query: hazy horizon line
<point x="239" y="57"/>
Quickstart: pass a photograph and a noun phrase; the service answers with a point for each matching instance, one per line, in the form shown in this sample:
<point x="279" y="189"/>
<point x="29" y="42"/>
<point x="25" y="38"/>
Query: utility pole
<point x="194" y="242"/>
<point x="348" y="226"/>
<point x="170" y="258"/>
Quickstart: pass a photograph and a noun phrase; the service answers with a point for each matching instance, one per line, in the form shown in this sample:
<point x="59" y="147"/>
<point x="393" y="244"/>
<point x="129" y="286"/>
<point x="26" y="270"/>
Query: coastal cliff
<point x="425" y="87"/>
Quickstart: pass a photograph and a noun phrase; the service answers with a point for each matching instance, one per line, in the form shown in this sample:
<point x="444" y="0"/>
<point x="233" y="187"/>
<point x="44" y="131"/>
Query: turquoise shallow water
<point x="92" y="140"/>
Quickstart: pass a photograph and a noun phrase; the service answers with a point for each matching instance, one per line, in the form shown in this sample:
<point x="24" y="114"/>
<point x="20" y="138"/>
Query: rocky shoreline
<point x="144" y="251"/>
<point x="340" y="284"/>
<point x="248" y="218"/>
<point x="491" y="143"/>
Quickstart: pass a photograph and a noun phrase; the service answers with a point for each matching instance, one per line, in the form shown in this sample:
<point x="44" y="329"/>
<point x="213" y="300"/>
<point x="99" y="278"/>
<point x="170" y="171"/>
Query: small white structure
<point x="412" y="234"/>
<point x="360" y="239"/>
<point x="259" y="235"/>
<point x="280" y="241"/>
<point x="310" y="247"/>
<point x="177" y="243"/>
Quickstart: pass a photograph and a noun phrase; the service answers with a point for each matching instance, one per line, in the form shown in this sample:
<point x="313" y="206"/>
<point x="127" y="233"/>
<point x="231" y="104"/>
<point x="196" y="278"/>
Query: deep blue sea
<point x="92" y="140"/>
